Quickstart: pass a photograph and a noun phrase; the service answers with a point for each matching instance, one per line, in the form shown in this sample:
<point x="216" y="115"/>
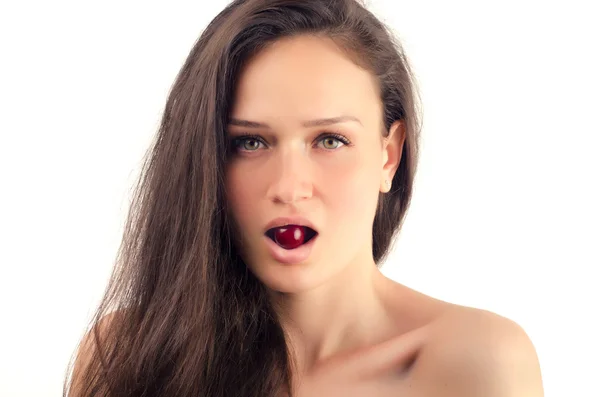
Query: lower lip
<point x="296" y="255"/>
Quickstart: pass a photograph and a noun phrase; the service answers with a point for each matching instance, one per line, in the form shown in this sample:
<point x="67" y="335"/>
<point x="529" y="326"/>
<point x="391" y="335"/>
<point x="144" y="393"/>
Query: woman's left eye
<point x="333" y="139"/>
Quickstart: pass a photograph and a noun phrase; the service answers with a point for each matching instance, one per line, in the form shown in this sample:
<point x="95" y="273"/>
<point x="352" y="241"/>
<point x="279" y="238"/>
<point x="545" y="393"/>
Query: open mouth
<point x="291" y="236"/>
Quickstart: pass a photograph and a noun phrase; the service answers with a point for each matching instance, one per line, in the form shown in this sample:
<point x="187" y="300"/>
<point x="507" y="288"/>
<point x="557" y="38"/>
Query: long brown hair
<point x="193" y="320"/>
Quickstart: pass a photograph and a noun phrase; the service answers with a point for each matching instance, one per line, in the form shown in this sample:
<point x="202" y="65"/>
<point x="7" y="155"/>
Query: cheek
<point x="353" y="188"/>
<point x="239" y="196"/>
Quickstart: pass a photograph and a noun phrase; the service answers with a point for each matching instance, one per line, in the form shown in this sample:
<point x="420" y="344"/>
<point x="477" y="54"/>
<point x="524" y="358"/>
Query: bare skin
<point x="441" y="350"/>
<point x="385" y="367"/>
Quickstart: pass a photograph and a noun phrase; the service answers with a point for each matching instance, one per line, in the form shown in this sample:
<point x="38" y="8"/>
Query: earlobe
<point x="386" y="186"/>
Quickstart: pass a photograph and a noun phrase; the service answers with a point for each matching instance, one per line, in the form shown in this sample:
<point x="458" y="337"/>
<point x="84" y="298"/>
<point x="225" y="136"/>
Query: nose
<point x="291" y="180"/>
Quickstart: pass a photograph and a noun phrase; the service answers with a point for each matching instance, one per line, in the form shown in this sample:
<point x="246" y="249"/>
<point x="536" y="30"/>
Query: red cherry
<point x="289" y="237"/>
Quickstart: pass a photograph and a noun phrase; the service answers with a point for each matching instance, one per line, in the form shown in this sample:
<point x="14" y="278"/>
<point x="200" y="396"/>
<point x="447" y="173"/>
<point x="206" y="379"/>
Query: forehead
<point x="305" y="77"/>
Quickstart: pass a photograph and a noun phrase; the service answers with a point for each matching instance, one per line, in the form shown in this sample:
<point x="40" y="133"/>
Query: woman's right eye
<point x="246" y="143"/>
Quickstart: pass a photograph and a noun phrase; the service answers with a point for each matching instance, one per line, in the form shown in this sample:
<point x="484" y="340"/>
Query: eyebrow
<point x="306" y="124"/>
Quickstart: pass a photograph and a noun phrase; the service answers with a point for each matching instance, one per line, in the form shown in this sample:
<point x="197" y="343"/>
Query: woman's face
<point x="293" y="167"/>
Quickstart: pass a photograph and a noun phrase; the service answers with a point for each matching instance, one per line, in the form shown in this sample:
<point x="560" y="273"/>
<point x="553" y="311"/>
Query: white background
<point x="505" y="213"/>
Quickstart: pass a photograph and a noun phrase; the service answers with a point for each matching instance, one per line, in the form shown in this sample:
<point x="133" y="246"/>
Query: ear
<point x="392" y="154"/>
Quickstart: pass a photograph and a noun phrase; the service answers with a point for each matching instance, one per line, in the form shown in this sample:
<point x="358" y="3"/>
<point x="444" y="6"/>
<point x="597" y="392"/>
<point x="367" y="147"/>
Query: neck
<point x="345" y="313"/>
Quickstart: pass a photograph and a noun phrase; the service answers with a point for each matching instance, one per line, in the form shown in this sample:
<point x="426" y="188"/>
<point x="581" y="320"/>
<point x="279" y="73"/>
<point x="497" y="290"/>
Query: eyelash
<point x="240" y="139"/>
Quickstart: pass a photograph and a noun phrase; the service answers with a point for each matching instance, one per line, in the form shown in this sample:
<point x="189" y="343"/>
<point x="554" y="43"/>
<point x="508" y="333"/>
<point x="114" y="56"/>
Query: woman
<point x="281" y="174"/>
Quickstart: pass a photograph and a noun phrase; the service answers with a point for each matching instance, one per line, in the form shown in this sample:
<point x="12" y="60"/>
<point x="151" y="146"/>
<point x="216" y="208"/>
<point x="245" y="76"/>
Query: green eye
<point x="250" y="147"/>
<point x="247" y="143"/>
<point x="335" y="142"/>
<point x="333" y="138"/>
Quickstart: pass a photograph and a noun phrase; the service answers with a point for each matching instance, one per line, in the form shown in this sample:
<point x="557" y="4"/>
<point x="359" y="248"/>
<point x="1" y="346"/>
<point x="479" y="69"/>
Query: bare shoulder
<point x="87" y="349"/>
<point x="473" y="352"/>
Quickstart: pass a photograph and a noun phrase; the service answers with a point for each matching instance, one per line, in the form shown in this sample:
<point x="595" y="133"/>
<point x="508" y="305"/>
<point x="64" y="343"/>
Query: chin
<point x="290" y="279"/>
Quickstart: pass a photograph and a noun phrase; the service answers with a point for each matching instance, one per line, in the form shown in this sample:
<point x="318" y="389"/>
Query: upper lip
<point x="290" y="220"/>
